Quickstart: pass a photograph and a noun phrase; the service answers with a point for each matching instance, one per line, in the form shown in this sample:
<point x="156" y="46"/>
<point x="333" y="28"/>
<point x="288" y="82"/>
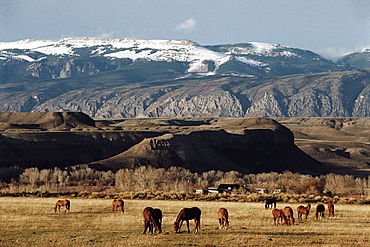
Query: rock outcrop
<point x="332" y="94"/>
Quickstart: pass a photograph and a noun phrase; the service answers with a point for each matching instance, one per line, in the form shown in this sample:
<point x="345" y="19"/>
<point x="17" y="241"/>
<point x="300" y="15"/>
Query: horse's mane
<point x="179" y="216"/>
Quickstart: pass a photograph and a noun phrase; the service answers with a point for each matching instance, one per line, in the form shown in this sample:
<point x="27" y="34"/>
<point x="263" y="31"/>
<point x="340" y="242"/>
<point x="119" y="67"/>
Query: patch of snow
<point x="259" y="47"/>
<point x="365" y="50"/>
<point x="251" y="62"/>
<point x="24" y="57"/>
<point x="55" y="50"/>
<point x="129" y="54"/>
<point x="198" y="67"/>
<point x="287" y="54"/>
<point x="27" y="44"/>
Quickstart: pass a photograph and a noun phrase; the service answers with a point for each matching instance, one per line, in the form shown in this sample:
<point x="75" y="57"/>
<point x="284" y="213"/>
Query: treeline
<point x="175" y="179"/>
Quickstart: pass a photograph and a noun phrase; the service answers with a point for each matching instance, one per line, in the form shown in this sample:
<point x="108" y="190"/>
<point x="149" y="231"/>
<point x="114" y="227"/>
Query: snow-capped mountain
<point x="44" y="59"/>
<point x="169" y="78"/>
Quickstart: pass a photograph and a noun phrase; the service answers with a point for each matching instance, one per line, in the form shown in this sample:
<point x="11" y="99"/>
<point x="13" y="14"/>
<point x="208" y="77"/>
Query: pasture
<point x="33" y="222"/>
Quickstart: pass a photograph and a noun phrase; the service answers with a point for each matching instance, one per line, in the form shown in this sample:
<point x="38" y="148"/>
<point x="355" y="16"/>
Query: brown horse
<point x="158" y="214"/>
<point x="303" y="211"/>
<point x="320" y="211"/>
<point x="223" y="218"/>
<point x="188" y="214"/>
<point x="288" y="212"/>
<point x="62" y="203"/>
<point x="278" y="216"/>
<point x="151" y="219"/>
<point x="331" y="209"/>
<point x="118" y="204"/>
<point x="269" y="202"/>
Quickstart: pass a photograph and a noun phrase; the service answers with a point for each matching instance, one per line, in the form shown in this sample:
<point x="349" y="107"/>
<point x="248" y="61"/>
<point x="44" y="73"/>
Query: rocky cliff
<point x="331" y="94"/>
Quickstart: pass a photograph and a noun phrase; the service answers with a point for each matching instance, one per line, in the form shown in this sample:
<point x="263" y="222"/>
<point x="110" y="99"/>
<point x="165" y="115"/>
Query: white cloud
<point x="187" y="25"/>
<point x="105" y="35"/>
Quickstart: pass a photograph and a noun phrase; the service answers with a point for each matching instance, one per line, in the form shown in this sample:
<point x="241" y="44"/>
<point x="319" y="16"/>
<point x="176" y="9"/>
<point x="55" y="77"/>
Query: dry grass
<point x="32" y="222"/>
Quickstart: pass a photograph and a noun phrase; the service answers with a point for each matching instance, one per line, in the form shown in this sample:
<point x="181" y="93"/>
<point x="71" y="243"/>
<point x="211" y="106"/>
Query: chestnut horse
<point x="62" y="203"/>
<point x="269" y="202"/>
<point x="151" y="219"/>
<point x="320" y="211"/>
<point x="278" y="216"/>
<point x="188" y="214"/>
<point x="303" y="211"/>
<point x="288" y="212"/>
<point x="331" y="209"/>
<point x="223" y="218"/>
<point x="118" y="204"/>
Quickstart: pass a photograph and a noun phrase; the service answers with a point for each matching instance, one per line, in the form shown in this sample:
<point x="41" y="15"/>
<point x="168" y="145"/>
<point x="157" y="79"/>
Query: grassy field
<point x="32" y="222"/>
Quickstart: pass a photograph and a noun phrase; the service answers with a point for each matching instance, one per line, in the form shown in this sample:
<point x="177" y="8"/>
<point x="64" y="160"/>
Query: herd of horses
<point x="153" y="216"/>
<point x="287" y="216"/>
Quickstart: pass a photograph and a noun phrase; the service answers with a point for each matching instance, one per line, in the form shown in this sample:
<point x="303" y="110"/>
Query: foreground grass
<point x="32" y="222"/>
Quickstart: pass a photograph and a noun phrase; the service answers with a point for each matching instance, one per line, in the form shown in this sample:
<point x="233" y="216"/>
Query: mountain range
<point x="180" y="78"/>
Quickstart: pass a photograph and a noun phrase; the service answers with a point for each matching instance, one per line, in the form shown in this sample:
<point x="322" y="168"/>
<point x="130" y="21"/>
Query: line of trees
<point x="176" y="179"/>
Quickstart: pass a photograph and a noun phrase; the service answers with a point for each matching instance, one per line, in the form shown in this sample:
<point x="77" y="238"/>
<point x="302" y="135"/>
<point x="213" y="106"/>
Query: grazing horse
<point x="151" y="219"/>
<point x="320" y="210"/>
<point x="62" y="203"/>
<point x="278" y="216"/>
<point x="223" y="218"/>
<point x="158" y="214"/>
<point x="288" y="212"/>
<point x="303" y="211"/>
<point x="331" y="209"/>
<point x="118" y="204"/>
<point x="188" y="214"/>
<point x="269" y="202"/>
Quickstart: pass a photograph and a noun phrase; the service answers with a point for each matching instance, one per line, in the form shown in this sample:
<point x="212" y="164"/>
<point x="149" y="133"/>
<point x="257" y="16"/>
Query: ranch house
<point x="221" y="188"/>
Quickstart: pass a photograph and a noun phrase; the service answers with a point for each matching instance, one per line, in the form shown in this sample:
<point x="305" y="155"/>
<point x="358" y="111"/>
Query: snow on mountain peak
<point x="259" y="47"/>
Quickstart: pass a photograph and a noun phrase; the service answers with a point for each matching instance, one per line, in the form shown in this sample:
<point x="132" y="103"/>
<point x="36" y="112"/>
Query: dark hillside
<point x="47" y="140"/>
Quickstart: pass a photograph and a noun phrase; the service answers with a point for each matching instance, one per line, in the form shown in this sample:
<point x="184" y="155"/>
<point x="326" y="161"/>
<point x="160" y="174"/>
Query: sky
<point x="328" y="27"/>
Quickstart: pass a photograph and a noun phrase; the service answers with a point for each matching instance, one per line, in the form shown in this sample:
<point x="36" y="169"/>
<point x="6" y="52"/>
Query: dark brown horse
<point x="223" y="218"/>
<point x="320" y="211"/>
<point x="269" y="202"/>
<point x="188" y="214"/>
<point x="288" y="212"/>
<point x="158" y="214"/>
<point x="278" y="217"/>
<point x="331" y="209"/>
<point x="62" y="203"/>
<point x="151" y="219"/>
<point x="118" y="204"/>
<point x="302" y="210"/>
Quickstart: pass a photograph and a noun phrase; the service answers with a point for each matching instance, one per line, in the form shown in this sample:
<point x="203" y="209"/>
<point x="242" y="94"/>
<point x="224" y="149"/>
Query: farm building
<point x="221" y="188"/>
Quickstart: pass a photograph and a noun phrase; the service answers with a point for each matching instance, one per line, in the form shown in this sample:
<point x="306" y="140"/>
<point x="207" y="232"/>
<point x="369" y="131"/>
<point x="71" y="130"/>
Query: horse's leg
<point x="145" y="226"/>
<point x="187" y="224"/>
<point x="219" y="223"/>
<point x="196" y="221"/>
<point x="180" y="224"/>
